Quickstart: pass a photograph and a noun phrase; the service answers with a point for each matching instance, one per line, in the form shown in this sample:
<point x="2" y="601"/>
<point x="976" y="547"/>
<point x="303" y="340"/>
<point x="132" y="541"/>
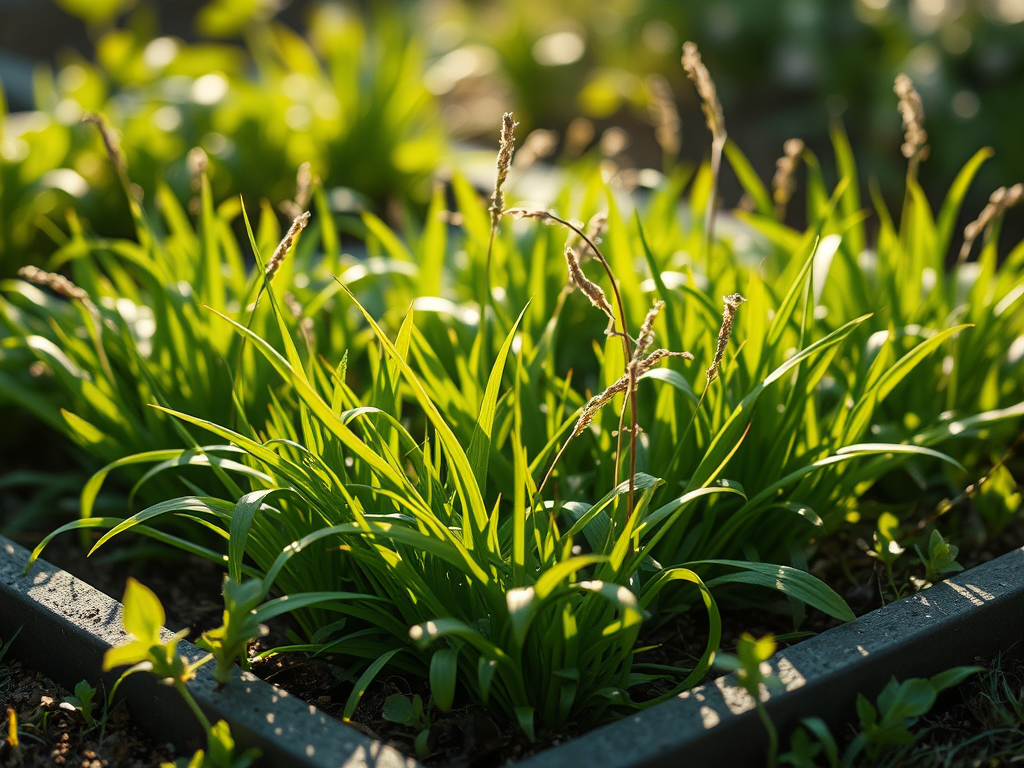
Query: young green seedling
<point x="143" y="617"/>
<point x="900" y="705"/>
<point x="941" y="558"/>
<point x="82" y="702"/>
<point x="751" y="654"/>
<point x="228" y="642"/>
<point x="402" y="710"/>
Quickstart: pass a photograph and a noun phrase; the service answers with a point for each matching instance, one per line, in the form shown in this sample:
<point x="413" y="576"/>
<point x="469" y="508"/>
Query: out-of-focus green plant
<point x="348" y="99"/>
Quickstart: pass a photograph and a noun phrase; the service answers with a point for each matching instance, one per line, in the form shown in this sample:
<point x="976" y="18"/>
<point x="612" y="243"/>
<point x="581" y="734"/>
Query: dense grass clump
<point x="454" y="462"/>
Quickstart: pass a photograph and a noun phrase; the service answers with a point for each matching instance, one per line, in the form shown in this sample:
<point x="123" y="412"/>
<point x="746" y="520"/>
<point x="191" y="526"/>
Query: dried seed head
<point x="56" y="283"/>
<point x="303" y="191"/>
<point x="506" y="146"/>
<point x="912" y="110"/>
<point x="701" y="78"/>
<point x="998" y="202"/>
<point x="286" y="244"/>
<point x="646" y="337"/>
<point x="637" y="368"/>
<point x="784" y="182"/>
<point x="196" y="161"/>
<point x="595" y="231"/>
<point x="578" y="136"/>
<point x="661" y="105"/>
<point x="732" y="303"/>
<point x="591" y="289"/>
<point x="110" y="141"/>
<point x="538" y="144"/>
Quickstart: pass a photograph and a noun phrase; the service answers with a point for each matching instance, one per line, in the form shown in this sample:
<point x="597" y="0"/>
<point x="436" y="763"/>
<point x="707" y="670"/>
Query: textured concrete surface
<point x="67" y="626"/>
<point x="975" y="615"/>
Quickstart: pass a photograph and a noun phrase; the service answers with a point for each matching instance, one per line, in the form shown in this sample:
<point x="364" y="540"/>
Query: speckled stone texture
<point x="66" y="626"/>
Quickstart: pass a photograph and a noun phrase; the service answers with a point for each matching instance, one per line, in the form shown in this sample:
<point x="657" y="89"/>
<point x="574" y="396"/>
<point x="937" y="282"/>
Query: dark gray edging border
<point x="977" y="614"/>
<point x="67" y="626"/>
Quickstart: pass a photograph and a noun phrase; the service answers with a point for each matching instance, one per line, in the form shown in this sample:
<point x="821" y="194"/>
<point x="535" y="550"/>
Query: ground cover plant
<point x="424" y="430"/>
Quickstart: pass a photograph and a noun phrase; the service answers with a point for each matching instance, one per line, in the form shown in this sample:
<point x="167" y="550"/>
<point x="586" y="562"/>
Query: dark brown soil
<point x="50" y="735"/>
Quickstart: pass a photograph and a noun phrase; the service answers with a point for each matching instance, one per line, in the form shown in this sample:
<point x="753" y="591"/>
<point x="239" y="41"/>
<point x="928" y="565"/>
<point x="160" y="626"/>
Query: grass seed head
<point x="303" y="192"/>
<point x="286" y="244"/>
<point x="637" y="368"/>
<point x="595" y="231"/>
<point x="506" y="146"/>
<point x="784" y="181"/>
<point x="915" y="137"/>
<point x="701" y="78"/>
<point x="661" y="106"/>
<point x="55" y="282"/>
<point x="998" y="202"/>
<point x="646" y="337"/>
<point x="591" y="289"/>
<point x="732" y="303"/>
<point x="110" y="141"/>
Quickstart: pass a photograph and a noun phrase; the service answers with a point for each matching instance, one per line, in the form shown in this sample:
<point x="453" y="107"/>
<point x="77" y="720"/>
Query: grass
<point x="384" y="427"/>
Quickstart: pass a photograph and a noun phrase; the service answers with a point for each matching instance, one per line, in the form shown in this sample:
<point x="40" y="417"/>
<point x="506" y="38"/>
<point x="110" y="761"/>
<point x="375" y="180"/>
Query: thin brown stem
<point x="627" y="344"/>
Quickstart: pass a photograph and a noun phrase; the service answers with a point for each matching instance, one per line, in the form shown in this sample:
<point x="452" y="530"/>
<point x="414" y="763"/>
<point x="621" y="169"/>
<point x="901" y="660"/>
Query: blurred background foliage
<point x="377" y="95"/>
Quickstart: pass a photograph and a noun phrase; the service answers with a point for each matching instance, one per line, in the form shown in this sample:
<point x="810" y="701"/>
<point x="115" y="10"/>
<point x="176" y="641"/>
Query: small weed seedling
<point x="82" y="703"/>
<point x="402" y="710"/>
<point x="941" y="558"/>
<point x="887" y="549"/>
<point x="143" y="617"/>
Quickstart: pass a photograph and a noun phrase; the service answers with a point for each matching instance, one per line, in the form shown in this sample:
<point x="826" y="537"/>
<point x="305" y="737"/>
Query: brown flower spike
<point x="506" y="146"/>
<point x="998" y="202"/>
<point x="915" y="137"/>
<point x="784" y="182"/>
<point x="56" y="283"/>
<point x="281" y="252"/>
<point x="732" y="303"/>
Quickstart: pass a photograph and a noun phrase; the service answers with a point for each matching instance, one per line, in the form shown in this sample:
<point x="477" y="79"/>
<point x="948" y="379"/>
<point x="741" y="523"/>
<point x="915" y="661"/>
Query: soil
<point x="51" y="735"/>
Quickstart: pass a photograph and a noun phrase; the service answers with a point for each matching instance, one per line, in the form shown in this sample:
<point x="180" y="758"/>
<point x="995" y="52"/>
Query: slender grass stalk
<point x="627" y="344"/>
